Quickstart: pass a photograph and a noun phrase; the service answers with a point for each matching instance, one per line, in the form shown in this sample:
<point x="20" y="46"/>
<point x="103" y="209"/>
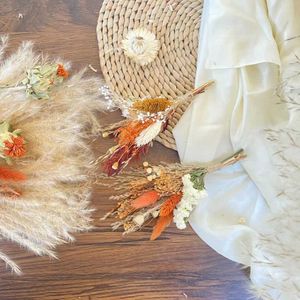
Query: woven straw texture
<point x="176" y="25"/>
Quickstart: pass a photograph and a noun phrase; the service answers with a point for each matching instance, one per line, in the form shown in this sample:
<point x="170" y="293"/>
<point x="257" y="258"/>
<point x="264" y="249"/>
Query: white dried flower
<point x="149" y="178"/>
<point x="149" y="170"/>
<point x="149" y="134"/>
<point x="141" y="46"/>
<point x="139" y="220"/>
<point x="155" y="214"/>
<point x="190" y="199"/>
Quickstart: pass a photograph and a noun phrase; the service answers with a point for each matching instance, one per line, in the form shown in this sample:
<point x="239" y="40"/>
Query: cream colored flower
<point x="149" y="134"/>
<point x="141" y="46"/>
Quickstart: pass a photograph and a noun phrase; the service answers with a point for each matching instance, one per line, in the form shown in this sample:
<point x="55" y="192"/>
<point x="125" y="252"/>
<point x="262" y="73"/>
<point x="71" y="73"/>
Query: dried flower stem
<point x="188" y="96"/>
<point x="202" y="88"/>
<point x="239" y="155"/>
<point x="121" y="183"/>
<point x="14" y="87"/>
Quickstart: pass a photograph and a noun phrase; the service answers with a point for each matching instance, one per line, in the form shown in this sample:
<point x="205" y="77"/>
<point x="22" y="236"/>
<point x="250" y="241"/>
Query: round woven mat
<point x="176" y="25"/>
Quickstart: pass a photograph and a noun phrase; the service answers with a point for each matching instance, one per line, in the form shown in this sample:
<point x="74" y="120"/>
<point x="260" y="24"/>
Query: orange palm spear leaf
<point x="161" y="224"/>
<point x="7" y="174"/>
<point x="170" y="204"/>
<point x="145" y="199"/>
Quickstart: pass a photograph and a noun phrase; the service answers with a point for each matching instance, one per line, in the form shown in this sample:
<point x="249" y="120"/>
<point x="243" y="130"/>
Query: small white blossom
<point x="190" y="199"/>
<point x="140" y="117"/>
<point x="108" y="96"/>
<point x="125" y="113"/>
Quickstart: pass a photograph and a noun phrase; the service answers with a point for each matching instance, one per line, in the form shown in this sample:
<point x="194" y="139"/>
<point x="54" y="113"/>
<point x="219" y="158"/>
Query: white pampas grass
<point x="141" y="46"/>
<point x="276" y="256"/>
<point x="10" y="264"/>
<point x="3" y="44"/>
<point x="149" y="134"/>
<point x="55" y="197"/>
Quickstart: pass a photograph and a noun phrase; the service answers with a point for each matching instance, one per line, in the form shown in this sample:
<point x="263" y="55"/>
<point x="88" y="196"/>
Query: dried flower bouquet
<point x="145" y="120"/>
<point x="167" y="192"/>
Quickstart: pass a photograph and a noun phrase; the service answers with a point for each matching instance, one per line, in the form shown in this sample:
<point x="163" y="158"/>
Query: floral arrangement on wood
<point x="46" y="118"/>
<point x="145" y="120"/>
<point x="166" y="193"/>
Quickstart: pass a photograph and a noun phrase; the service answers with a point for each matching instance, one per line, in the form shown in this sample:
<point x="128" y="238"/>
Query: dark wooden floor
<point x="102" y="264"/>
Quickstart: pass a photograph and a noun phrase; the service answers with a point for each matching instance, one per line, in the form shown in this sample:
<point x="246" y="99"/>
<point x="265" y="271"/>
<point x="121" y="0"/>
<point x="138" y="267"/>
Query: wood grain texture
<point x="102" y="264"/>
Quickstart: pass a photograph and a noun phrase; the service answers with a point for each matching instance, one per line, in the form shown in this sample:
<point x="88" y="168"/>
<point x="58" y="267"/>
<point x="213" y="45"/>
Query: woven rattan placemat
<point x="176" y="25"/>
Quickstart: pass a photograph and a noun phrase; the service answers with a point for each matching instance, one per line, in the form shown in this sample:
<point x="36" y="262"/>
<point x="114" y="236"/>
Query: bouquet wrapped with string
<point x="145" y="120"/>
<point x="164" y="193"/>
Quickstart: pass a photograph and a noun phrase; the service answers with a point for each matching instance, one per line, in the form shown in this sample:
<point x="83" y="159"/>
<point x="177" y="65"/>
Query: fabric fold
<point x="251" y="212"/>
<point x="237" y="50"/>
<point x="238" y="34"/>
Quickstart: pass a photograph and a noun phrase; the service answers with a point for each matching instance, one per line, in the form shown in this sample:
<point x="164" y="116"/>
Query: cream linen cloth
<point x="240" y="48"/>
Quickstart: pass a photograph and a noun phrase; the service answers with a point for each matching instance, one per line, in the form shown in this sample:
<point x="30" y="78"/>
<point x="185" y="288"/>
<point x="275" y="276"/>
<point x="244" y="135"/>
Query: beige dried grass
<point x="55" y="197"/>
<point x="276" y="254"/>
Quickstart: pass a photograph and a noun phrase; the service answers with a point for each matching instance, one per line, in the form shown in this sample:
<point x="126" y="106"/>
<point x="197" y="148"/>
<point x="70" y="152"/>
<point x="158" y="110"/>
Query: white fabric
<point x="275" y="266"/>
<point x="238" y="50"/>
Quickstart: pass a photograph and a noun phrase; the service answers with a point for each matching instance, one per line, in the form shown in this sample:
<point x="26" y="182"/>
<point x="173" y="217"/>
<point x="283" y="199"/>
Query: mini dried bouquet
<point x="166" y="193"/>
<point x="145" y="120"/>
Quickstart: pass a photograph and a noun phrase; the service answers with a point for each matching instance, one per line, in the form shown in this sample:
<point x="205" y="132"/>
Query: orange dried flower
<point x="7" y="174"/>
<point x="168" y="184"/>
<point x="162" y="223"/>
<point x="128" y="133"/>
<point x="62" y="72"/>
<point x="15" y="148"/>
<point x="170" y="204"/>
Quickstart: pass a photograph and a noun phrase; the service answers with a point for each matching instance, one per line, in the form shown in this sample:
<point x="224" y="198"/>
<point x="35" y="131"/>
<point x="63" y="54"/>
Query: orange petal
<point x="8" y="174"/>
<point x="170" y="204"/>
<point x="145" y="199"/>
<point x="161" y="224"/>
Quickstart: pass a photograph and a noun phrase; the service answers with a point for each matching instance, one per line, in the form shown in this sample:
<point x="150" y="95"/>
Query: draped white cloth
<point x="242" y="48"/>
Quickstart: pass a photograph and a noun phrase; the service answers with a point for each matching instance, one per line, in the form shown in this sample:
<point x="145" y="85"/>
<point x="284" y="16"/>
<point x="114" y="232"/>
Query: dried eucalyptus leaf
<point x="197" y="178"/>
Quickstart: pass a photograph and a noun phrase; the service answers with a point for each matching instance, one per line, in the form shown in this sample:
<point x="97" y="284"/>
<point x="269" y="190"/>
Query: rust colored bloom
<point x="62" y="72"/>
<point x="15" y="148"/>
<point x="170" y="204"/>
<point x="128" y="133"/>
